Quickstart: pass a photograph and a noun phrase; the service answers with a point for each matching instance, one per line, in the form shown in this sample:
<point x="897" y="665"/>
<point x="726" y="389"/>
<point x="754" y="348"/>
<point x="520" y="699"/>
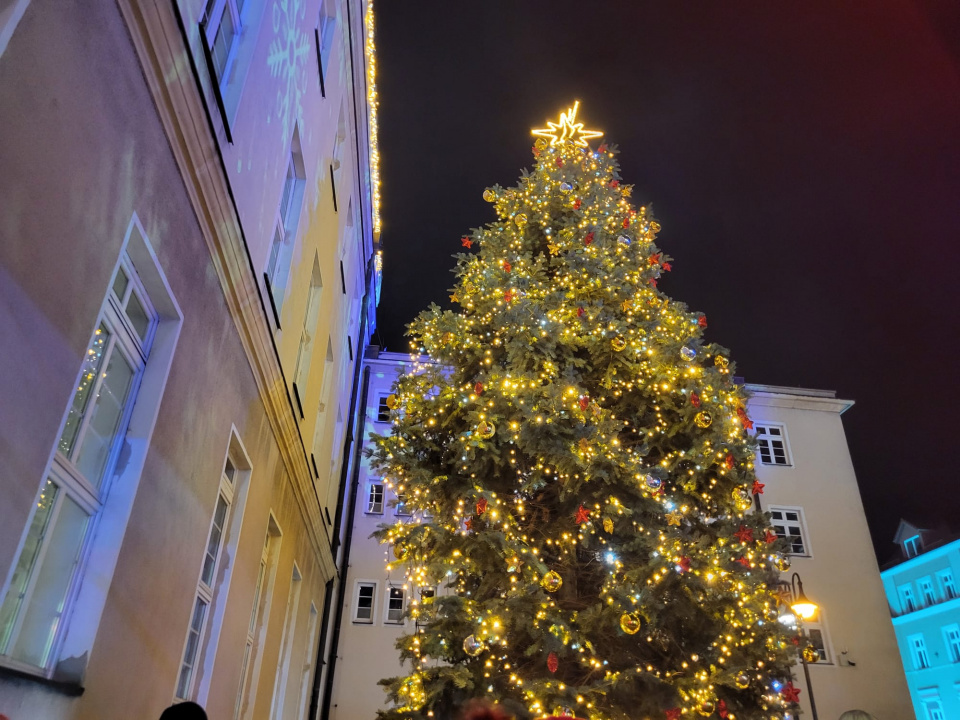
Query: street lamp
<point x="802" y="608"/>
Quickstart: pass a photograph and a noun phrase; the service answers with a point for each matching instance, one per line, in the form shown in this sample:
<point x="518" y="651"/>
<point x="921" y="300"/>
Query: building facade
<point x="189" y="272"/>
<point x="924" y="600"/>
<point x="811" y="491"/>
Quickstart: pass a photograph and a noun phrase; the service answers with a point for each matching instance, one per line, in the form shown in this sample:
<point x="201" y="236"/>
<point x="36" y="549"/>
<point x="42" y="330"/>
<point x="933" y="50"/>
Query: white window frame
<point x="400" y="508"/>
<point x="765" y="442"/>
<point x="928" y="596"/>
<point x="383" y="411"/>
<point x="355" y="615"/>
<point x="327" y="25"/>
<point x="388" y="598"/>
<point x="286" y="224"/>
<point x="785" y="523"/>
<point x="94" y="559"/>
<point x="376" y="507"/>
<point x="911" y="546"/>
<point x="301" y="373"/>
<point x="951" y="640"/>
<point x="213" y="16"/>
<point x="932" y="705"/>
<point x="918" y="651"/>
<point x="908" y="601"/>
<point x="948" y="586"/>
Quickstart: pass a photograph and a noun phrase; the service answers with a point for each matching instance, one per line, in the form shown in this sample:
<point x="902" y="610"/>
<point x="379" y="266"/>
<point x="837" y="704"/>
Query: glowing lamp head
<point x="804" y="607"/>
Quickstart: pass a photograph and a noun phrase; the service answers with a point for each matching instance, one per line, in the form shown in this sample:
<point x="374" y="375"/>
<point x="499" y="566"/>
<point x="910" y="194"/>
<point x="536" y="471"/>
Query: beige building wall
<point x="111" y="148"/>
<point x="838" y="567"/>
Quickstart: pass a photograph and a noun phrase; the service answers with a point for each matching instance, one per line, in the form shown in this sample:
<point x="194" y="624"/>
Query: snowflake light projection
<point x="287" y="60"/>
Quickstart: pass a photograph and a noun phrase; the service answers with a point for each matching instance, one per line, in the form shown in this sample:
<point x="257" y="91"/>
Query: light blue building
<point x="922" y="590"/>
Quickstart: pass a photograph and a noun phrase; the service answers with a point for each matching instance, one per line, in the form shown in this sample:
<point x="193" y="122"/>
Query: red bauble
<point x="478" y="388"/>
<point x="728" y="461"/>
<point x="584" y="402"/>
<point x="507" y="266"/>
<point x="576" y="204"/>
<point x="508" y="296"/>
<point x="580" y="311"/>
<point x="684" y="564"/>
<point x="552" y="662"/>
<point x="588" y="239"/>
<point x="695" y="399"/>
<point x="702" y="321"/>
<point x="626" y="222"/>
<point x="559" y="162"/>
<point x="722" y="710"/>
<point x="481" y="506"/>
<point x="673" y="714"/>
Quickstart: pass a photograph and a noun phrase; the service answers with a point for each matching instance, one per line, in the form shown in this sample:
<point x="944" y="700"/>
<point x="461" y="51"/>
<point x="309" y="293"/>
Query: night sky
<point x="802" y="158"/>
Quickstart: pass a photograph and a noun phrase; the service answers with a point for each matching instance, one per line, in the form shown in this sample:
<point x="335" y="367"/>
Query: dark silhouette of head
<point x="184" y="711"/>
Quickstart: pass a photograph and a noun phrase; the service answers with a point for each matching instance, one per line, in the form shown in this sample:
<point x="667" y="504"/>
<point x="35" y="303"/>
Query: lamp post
<point x="803" y="609"/>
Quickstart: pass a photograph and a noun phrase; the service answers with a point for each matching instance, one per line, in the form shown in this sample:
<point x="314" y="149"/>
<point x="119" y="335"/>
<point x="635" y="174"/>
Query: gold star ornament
<point x="674" y="518"/>
<point x="567" y="130"/>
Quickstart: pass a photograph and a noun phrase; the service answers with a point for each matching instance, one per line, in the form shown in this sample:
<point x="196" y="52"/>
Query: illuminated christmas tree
<point x="577" y="463"/>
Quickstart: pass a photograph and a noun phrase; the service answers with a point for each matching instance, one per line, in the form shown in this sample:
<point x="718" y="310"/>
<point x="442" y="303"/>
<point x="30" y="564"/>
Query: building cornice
<point x="797" y="398"/>
<point x="166" y="62"/>
<point x="947" y="606"/>
<point x="918" y="560"/>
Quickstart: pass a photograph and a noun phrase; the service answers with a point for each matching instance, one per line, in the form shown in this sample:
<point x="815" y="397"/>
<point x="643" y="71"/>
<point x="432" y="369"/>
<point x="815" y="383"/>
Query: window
<point x="934" y="709"/>
<point x="907" y="602"/>
<point x="221" y="28"/>
<point x="375" y="498"/>
<point x="927" y="595"/>
<point x="285" y="227"/>
<point x="947" y="586"/>
<point x="326" y="27"/>
<point x="365" y="596"/>
<point x="259" y="613"/>
<point x="951" y="638"/>
<point x="911" y="546"/>
<point x="815" y="637"/>
<point x="305" y="351"/>
<point x="73" y="493"/>
<point x="788" y="524"/>
<point x="395" y="605"/>
<point x="383" y="410"/>
<point x="284" y="677"/>
<point x="401" y="506"/>
<point x="772" y="444"/>
<point x="206" y="587"/>
<point x="918" y="652"/>
<point x="306" y="671"/>
<point x="427" y="594"/>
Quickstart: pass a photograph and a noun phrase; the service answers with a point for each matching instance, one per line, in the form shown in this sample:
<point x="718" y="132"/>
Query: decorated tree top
<point x="577" y="461"/>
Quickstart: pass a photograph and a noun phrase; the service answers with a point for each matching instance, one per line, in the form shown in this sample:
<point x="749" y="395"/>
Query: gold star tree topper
<point x="567" y="130"/>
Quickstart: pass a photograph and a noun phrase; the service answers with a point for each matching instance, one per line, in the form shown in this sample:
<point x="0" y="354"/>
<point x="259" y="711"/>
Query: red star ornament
<point x="684" y="565"/>
<point x="576" y="204"/>
<point x="580" y="311"/>
<point x="667" y="267"/>
<point x="742" y="414"/>
<point x="536" y="151"/>
<point x="722" y="710"/>
<point x="478" y="388"/>
<point x="468" y="525"/>
<point x="728" y="461"/>
<point x="744" y="534"/>
<point x="588" y="239"/>
<point x="743" y="561"/>
<point x="695" y="399"/>
<point x="702" y="321"/>
<point x="790" y="693"/>
<point x="602" y="148"/>
<point x="626" y="222"/>
<point x="559" y="162"/>
<point x="758" y="487"/>
<point x="508" y="296"/>
<point x="552" y="662"/>
<point x="583" y="515"/>
<point x="584" y="402"/>
<point x="769" y="537"/>
<point x="655" y="259"/>
<point x="673" y="714"/>
<point x="614" y="183"/>
<point x="466" y="242"/>
<point x="507" y="267"/>
<point x="481" y="506"/>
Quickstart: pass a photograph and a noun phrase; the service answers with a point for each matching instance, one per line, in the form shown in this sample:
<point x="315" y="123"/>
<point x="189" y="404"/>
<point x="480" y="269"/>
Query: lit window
<point x="221" y="28"/>
<point x="305" y="352"/>
<point x="326" y="28"/>
<point x="918" y="651"/>
<point x="927" y="595"/>
<point x="908" y="602"/>
<point x="947" y="585"/>
<point x="363" y="606"/>
<point x="375" y="498"/>
<point x="788" y="524"/>
<point x="285" y="227"/>
<point x="395" y="605"/>
<point x="911" y="546"/>
<point x="772" y="444"/>
<point x="47" y="571"/>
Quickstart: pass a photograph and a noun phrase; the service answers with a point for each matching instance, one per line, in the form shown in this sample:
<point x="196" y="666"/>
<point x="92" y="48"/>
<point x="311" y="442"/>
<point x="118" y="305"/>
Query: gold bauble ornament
<point x="392" y="401"/>
<point x="630" y="623"/>
<point x="489" y="195"/>
<point x="513" y="564"/>
<point x="811" y="654"/>
<point x="472" y="646"/>
<point x="706" y="708"/>
<point x="520" y="219"/>
<point x="618" y="343"/>
<point x="551" y="582"/>
<point x="721" y="362"/>
<point x="783" y="563"/>
<point x="486" y="430"/>
<point x="399" y="552"/>
<point x="703" y="419"/>
<point x="539" y="143"/>
<point x="655" y="226"/>
<point x="741" y="498"/>
<point x="608" y="524"/>
<point x="742" y="681"/>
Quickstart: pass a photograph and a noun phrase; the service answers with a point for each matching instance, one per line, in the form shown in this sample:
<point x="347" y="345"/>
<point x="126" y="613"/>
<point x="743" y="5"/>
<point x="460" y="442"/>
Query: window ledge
<point x="71" y="689"/>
